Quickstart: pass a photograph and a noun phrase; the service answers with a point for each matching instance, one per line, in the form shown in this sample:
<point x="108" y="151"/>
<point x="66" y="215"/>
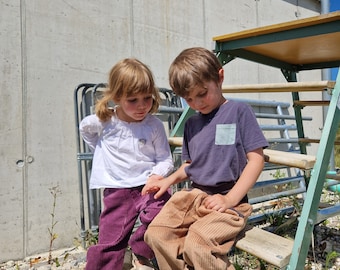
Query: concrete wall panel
<point x="11" y="131"/>
<point x="50" y="47"/>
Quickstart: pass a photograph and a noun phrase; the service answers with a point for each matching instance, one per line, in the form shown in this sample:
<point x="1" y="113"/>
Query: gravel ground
<point x="326" y="245"/>
<point x="68" y="259"/>
<point x="326" y="241"/>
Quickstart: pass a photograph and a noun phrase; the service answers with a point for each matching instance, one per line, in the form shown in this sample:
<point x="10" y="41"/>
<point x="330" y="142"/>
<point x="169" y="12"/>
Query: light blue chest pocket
<point x="225" y="134"/>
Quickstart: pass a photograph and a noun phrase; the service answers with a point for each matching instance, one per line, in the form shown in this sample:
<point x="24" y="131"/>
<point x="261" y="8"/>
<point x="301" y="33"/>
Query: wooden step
<point x="311" y="103"/>
<point x="308" y="140"/>
<point x="280" y="87"/>
<point x="272" y="248"/>
<point x="301" y="161"/>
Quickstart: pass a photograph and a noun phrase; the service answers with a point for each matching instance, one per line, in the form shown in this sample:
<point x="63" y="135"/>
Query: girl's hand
<point x="157" y="186"/>
<point x="151" y="184"/>
<point x="154" y="178"/>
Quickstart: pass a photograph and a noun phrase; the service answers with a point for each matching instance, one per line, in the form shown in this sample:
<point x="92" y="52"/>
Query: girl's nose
<point x="142" y="104"/>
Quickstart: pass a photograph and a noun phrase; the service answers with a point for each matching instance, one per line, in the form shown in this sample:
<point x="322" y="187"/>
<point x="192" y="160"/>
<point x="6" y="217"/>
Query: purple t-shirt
<point x="217" y="143"/>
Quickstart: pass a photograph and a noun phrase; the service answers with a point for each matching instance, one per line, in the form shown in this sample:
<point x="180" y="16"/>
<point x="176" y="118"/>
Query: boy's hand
<point x="217" y="202"/>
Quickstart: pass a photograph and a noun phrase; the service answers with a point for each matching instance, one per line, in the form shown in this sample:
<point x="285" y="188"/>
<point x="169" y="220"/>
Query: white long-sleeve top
<point x="126" y="154"/>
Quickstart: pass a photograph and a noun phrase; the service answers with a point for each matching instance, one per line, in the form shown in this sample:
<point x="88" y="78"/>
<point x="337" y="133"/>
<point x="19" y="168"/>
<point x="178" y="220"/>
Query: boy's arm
<point x="246" y="181"/>
<point x="248" y="177"/>
<point x="162" y="185"/>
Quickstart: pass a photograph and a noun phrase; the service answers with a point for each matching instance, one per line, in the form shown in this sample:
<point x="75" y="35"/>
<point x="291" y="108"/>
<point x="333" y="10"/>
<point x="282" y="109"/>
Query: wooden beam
<point x="308" y="140"/>
<point x="301" y="161"/>
<point x="280" y="87"/>
<point x="311" y="103"/>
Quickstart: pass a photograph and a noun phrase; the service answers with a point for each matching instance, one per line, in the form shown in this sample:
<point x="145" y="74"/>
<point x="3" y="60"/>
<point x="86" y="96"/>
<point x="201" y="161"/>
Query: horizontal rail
<point x="280" y="87"/>
<point x="280" y="116"/>
<point x="327" y="212"/>
<point x="294" y="160"/>
<point x="311" y="103"/>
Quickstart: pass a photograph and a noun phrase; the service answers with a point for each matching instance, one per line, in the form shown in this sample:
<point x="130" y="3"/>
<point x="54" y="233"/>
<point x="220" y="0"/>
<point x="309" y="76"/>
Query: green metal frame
<point x="310" y="208"/>
<point x="235" y="48"/>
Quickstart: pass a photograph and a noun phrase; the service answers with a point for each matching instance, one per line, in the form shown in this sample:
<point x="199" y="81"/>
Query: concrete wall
<point x="50" y="47"/>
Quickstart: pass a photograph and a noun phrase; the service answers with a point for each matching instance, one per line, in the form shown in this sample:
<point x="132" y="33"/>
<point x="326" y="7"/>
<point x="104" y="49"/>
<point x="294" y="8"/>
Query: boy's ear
<point x="221" y="75"/>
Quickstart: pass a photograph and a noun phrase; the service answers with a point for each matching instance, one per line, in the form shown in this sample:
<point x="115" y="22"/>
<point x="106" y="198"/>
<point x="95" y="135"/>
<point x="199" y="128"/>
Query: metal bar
<point x="309" y="211"/>
<point x="277" y="195"/>
<point x="282" y="116"/>
<point x="278" y="127"/>
<point x="179" y="127"/>
<point x="79" y="165"/>
<point x="280" y="181"/>
<point x="254" y="57"/>
<point x="262" y="103"/>
<point x="253" y="219"/>
<point x="291" y="77"/>
<point x="326" y="213"/>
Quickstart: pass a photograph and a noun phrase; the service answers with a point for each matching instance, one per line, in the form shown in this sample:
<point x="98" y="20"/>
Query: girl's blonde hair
<point x="193" y="67"/>
<point x="127" y="78"/>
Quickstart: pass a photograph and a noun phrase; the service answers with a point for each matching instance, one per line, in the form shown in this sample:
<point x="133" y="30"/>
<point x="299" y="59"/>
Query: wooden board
<point x="292" y="42"/>
<point x="301" y="161"/>
<point x="280" y="87"/>
<point x="267" y="246"/>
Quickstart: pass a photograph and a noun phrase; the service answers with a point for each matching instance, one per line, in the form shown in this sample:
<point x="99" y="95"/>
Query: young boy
<point x="222" y="155"/>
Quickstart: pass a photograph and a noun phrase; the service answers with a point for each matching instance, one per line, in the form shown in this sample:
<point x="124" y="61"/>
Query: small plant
<point x="55" y="191"/>
<point x="278" y="174"/>
<point x="330" y="257"/>
<point x="90" y="238"/>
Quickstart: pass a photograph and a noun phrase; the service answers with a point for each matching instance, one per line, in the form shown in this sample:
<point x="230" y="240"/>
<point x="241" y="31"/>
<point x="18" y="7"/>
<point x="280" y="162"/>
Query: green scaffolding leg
<point x="310" y="208"/>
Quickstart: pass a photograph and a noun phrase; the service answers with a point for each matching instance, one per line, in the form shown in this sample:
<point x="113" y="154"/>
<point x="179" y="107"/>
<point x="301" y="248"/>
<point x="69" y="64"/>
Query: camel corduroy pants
<point x="185" y="233"/>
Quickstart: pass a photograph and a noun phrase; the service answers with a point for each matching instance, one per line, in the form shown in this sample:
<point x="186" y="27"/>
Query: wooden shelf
<point x="280" y="87"/>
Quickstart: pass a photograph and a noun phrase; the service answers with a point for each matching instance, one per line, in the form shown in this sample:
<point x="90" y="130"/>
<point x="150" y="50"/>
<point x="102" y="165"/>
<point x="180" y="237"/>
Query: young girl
<point x="130" y="149"/>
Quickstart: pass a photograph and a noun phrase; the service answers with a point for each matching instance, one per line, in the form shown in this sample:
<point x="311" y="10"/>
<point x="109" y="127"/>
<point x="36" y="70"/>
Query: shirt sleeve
<point x="164" y="164"/>
<point x="90" y="129"/>
<point x="254" y="139"/>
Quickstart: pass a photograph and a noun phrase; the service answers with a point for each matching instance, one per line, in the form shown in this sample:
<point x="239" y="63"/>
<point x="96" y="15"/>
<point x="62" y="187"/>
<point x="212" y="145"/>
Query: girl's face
<point x="134" y="108"/>
<point x="206" y="98"/>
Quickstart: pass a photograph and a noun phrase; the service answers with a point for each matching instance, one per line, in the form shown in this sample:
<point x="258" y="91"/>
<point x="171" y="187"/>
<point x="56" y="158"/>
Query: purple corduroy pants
<point x="122" y="207"/>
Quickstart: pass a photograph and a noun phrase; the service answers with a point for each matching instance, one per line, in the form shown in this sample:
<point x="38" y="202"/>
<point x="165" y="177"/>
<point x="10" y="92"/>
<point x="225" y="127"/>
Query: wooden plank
<point x="175" y="141"/>
<point x="308" y="140"/>
<point x="288" y="43"/>
<point x="294" y="160"/>
<point x="301" y="161"/>
<point x="280" y="87"/>
<point x="315" y="20"/>
<point x="270" y="247"/>
<point x="311" y="103"/>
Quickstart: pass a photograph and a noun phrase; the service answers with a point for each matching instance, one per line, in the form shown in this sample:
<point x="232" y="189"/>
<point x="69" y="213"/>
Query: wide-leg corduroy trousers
<point x="185" y="233"/>
<point x="122" y="208"/>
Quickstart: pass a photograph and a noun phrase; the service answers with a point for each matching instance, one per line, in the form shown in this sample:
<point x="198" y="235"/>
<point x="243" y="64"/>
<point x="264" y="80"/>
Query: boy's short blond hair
<point x="193" y="67"/>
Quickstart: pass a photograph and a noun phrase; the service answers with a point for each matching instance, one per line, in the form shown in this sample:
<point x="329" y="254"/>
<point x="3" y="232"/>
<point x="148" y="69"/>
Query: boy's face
<point x="206" y="98"/>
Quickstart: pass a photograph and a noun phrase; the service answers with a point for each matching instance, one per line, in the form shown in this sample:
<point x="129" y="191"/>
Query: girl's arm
<point x="163" y="158"/>
<point x="90" y="128"/>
